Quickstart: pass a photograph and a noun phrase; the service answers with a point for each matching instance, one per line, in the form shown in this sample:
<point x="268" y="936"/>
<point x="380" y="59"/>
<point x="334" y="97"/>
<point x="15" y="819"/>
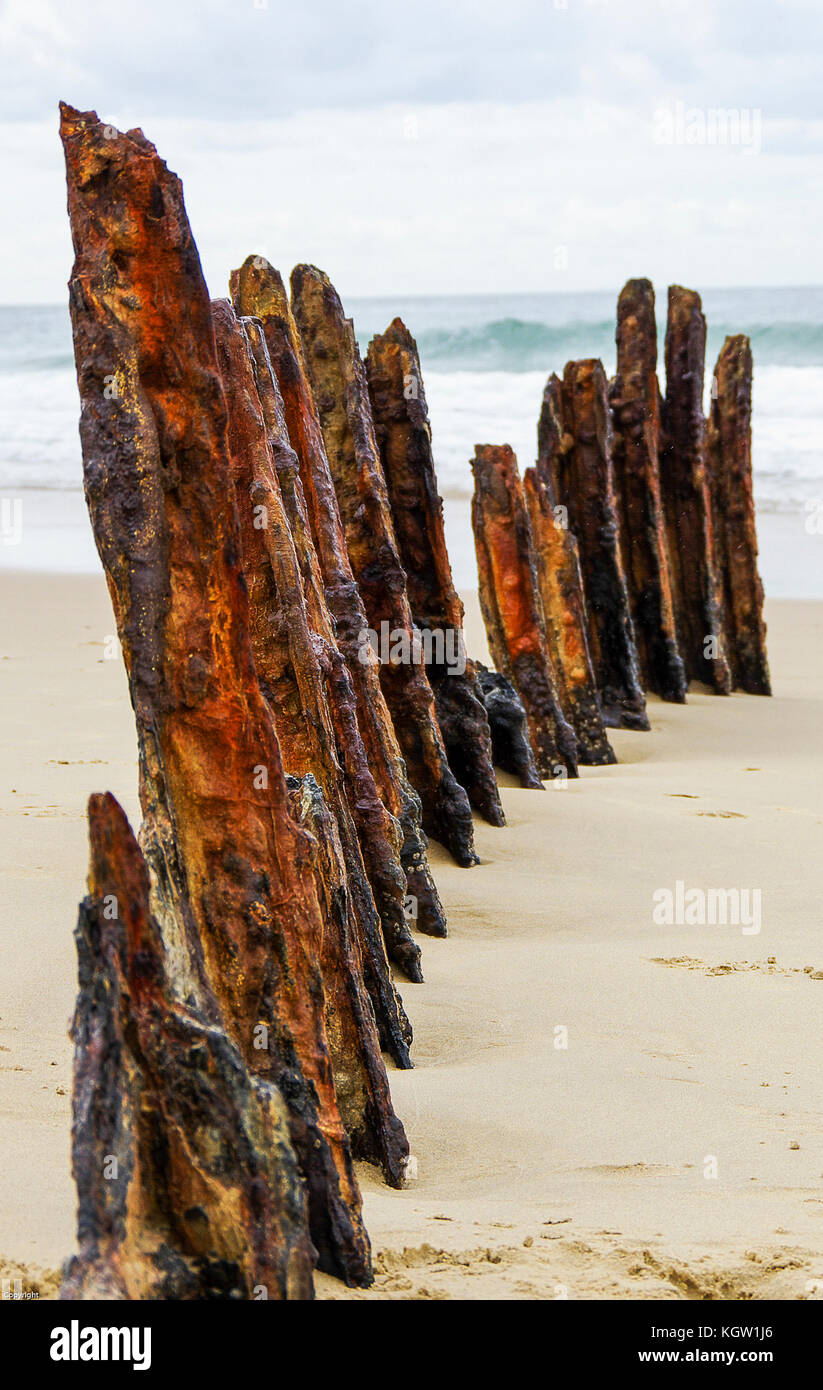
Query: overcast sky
<point x="440" y="145"/>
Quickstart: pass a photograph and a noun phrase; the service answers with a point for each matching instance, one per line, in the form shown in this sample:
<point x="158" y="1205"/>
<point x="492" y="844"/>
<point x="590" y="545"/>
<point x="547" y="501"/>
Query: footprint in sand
<point x="632" y="1169"/>
<point x="764" y="967"/>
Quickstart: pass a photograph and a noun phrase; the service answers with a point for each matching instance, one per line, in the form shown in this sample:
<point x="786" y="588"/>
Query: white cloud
<point x="533" y="125"/>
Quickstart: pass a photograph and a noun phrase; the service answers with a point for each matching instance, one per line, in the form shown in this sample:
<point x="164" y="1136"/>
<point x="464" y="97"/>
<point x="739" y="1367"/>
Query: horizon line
<point x="468" y="294"/>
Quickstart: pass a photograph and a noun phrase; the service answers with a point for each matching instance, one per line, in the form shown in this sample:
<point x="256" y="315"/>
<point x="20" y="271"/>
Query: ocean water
<point x="485" y="360"/>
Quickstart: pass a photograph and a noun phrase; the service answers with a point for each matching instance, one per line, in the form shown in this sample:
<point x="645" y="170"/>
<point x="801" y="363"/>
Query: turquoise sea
<point x="485" y="359"/>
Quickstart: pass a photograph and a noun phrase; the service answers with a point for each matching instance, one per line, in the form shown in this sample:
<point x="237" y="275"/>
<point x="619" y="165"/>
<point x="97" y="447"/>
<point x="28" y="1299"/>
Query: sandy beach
<point x="601" y="1107"/>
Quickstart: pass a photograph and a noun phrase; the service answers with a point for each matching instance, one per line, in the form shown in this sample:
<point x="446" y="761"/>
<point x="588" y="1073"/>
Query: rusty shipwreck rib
<point x="733" y="522"/>
<point x="403" y="433"/>
<point x="635" y="403"/>
<point x="696" y="587"/>
<point x="560" y="584"/>
<point x="188" y="1185"/>
<point x="293" y="669"/>
<point x="509" y="725"/>
<point x="371" y="837"/>
<point x="341" y="395"/>
<point x="511" y="607"/>
<point x="234" y="888"/>
<point x="584" y="485"/>
<point x="380" y="793"/>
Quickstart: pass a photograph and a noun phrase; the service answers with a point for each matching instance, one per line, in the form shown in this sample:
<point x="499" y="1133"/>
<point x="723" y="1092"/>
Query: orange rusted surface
<point x="381" y="795"/>
<point x="294" y="676"/>
<point x="511" y="606"/>
<point x="404" y="437"/>
<point x="234" y="872"/>
<point x="341" y="395"/>
<point x="561" y="592"/>
<point x="188" y="1185"/>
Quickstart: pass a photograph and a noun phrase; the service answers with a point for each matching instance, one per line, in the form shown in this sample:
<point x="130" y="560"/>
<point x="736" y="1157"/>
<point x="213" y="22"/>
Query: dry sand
<point x="544" y="1171"/>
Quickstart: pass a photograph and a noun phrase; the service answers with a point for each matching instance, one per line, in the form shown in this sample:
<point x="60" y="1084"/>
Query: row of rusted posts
<point x="265" y="507"/>
<point x="625" y="560"/>
<point x="264" y="502"/>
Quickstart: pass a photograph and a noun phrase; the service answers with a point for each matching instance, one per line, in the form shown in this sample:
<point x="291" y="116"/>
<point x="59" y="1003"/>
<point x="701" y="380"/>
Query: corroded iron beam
<point x="509" y="726"/>
<point x="511" y="606"/>
<point x="403" y="433"/>
<point x="696" y="586"/>
<point x="733" y="520"/>
<point x="585" y="486"/>
<point x="233" y="874"/>
<point x="257" y="290"/>
<point x="561" y="592"/>
<point x="293" y="664"/>
<point x="635" y="403"/>
<point x="341" y="395"/>
<point x="187" y="1181"/>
